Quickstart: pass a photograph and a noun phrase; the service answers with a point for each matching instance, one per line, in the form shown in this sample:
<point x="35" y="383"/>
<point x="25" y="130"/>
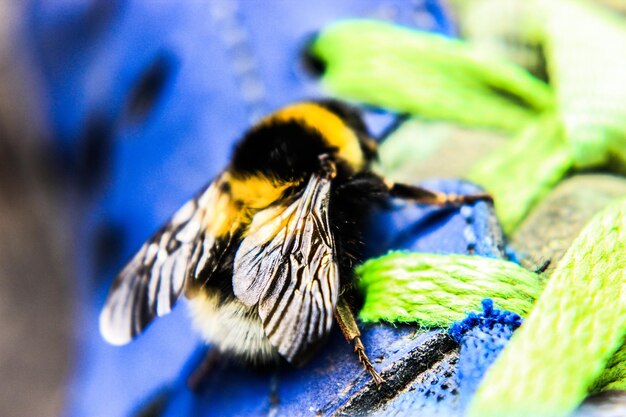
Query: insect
<point x="264" y="254"/>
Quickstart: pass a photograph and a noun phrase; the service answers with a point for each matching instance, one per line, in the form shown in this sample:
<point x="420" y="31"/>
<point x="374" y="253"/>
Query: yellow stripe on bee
<point x="222" y="215"/>
<point x="257" y="192"/>
<point x="334" y="130"/>
<point x="224" y="218"/>
<point x="233" y="201"/>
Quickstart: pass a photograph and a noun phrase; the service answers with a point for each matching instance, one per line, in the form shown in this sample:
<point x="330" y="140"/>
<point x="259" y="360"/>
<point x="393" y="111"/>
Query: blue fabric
<point x="324" y="384"/>
<point x="436" y="394"/>
<point x="448" y="388"/>
<point x="482" y="336"/>
<point x="423" y="228"/>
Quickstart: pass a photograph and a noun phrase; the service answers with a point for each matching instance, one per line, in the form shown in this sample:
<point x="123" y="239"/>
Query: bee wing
<point x="153" y="280"/>
<point x="287" y="266"/>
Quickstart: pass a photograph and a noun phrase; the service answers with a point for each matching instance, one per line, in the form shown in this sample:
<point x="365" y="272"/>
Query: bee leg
<point x="425" y="196"/>
<point x="350" y="330"/>
<point x="194" y="381"/>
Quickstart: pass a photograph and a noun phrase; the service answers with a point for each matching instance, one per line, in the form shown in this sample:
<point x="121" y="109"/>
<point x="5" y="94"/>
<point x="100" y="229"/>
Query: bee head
<point x="353" y="118"/>
<point x="340" y="125"/>
<point x="287" y="143"/>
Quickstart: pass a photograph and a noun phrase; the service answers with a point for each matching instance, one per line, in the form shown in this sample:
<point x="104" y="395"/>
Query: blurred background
<point x="112" y="114"/>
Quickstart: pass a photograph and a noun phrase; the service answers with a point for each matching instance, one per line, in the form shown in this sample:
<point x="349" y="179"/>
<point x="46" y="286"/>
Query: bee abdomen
<point x="232" y="327"/>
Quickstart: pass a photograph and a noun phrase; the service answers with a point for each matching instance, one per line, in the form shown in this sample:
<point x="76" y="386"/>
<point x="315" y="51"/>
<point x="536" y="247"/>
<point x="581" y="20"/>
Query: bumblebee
<point x="265" y="253"/>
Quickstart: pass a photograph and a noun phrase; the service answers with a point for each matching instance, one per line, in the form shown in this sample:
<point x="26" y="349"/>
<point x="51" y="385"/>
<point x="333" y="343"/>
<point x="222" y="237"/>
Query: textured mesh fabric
<point x="434" y="393"/>
<point x="482" y="336"/>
